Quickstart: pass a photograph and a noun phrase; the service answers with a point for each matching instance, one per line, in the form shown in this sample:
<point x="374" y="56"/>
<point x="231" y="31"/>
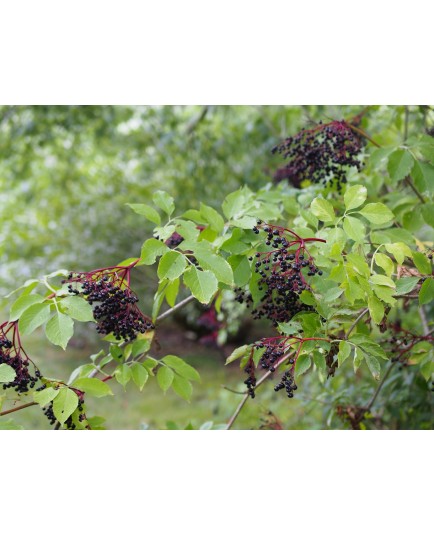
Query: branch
<point x="174" y="308"/>
<point x="380" y="385"/>
<point x="408" y="182"/>
<point x="354" y="324"/>
<point x="424" y="320"/>
<point x="18" y="408"/>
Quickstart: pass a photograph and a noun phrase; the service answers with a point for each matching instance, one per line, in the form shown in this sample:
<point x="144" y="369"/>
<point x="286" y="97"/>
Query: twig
<point x="174" y="308"/>
<point x="424" y="320"/>
<point x="233" y="390"/>
<point x="408" y="182"/>
<point x="380" y="385"/>
<point x="354" y="324"/>
<point x="18" y="408"/>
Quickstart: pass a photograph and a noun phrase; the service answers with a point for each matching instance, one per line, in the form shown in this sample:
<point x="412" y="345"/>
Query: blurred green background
<point x="66" y="174"/>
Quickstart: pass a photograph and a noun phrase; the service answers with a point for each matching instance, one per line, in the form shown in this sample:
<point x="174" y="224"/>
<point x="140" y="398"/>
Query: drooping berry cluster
<point x="283" y="272"/>
<point x="13" y="354"/>
<point x="287" y="383"/>
<point x="277" y="351"/>
<point x="320" y="155"/>
<point x="251" y="378"/>
<point x="114" y="303"/>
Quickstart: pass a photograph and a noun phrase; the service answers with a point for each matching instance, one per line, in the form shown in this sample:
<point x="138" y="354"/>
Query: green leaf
<point x="332" y="294"/>
<point x="234" y="203"/>
<point x="303" y="364"/>
<point x="151" y="249"/>
<point x="28" y="286"/>
<point x="165" y="376"/>
<point x="399" y="250"/>
<point x="181" y="367"/>
<point x="354" y="229"/>
<point x="7" y="373"/>
<point x="385" y="262"/>
<point x="322" y="209"/>
<point x="140" y="346"/>
<point x="237" y="353"/>
<point x="385" y="293"/>
<point x="241" y="269"/>
<point x="426" y="293"/>
<point x="140" y="375"/>
<point x="59" y="329"/>
<point x="33" y="317"/>
<point x="212" y="217"/>
<point x="359" y="264"/>
<point x="358" y="358"/>
<point x="406" y="285"/>
<point x="344" y="352"/>
<point x="92" y="387"/>
<point x="203" y="285"/>
<point x="383" y="280"/>
<point x="373" y="365"/>
<point x="428" y="213"/>
<point x="423" y="174"/>
<point x="400" y="164"/>
<point x="377" y="213"/>
<point x="355" y="196"/>
<point x="123" y="374"/>
<point x="65" y="404"/>
<point x="150" y="363"/>
<point x="46" y="396"/>
<point x="217" y="265"/>
<point x="78" y="308"/>
<point x="422" y="263"/>
<point x="164" y="201"/>
<point x="23" y="303"/>
<point x="172" y="265"/>
<point x="145" y="210"/>
<point x="182" y="387"/>
<point x="376" y="309"/>
<point x="171" y="292"/>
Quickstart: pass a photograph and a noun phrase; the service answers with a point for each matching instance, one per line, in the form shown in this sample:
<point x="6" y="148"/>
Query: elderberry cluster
<point x="115" y="309"/>
<point x="282" y="275"/>
<point x="251" y="379"/>
<point x="174" y="240"/>
<point x="12" y="354"/>
<point x="273" y="352"/>
<point x="287" y="383"/>
<point x="320" y="155"/>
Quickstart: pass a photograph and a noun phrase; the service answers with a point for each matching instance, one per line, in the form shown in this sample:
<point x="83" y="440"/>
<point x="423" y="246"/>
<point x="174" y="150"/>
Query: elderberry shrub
<point x="282" y="275"/>
<point x="320" y="155"/>
<point x="13" y="354"/>
<point x="114" y="303"/>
